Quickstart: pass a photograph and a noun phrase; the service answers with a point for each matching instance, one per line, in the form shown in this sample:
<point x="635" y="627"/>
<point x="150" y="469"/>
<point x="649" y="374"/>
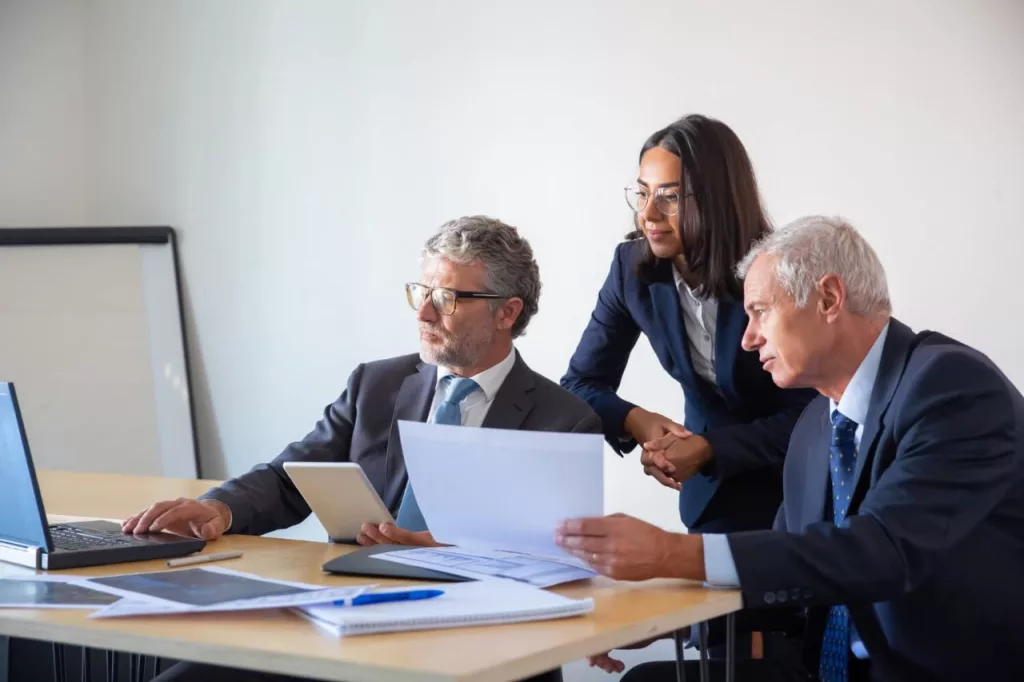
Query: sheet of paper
<point x="51" y="592"/>
<point x="461" y="605"/>
<point x="211" y="589"/>
<point x="127" y="607"/>
<point x="196" y="586"/>
<point x="482" y="564"/>
<point x="501" y="489"/>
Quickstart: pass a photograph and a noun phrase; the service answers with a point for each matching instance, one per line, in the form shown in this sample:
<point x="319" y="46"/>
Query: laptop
<point x="25" y="537"/>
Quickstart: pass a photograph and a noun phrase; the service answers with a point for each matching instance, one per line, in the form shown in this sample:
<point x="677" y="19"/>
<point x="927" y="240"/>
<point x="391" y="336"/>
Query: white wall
<point x="305" y="150"/>
<point x="42" y="100"/>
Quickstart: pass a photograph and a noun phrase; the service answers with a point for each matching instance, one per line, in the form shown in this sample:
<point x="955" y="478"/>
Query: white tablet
<point x="340" y="496"/>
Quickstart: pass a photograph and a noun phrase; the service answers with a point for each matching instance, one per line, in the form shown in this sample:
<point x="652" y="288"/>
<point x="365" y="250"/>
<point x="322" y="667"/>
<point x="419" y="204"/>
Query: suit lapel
<point x="513" y="402"/>
<point x="817" y="476"/>
<point x="890" y="369"/>
<point x="732" y="322"/>
<point x="669" y="316"/>
<point x="411" y="404"/>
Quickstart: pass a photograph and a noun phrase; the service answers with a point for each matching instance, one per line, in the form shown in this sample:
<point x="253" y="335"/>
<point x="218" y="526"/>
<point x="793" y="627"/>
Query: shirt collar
<point x="681" y="284"/>
<point x="489" y="380"/>
<point x="857" y="397"/>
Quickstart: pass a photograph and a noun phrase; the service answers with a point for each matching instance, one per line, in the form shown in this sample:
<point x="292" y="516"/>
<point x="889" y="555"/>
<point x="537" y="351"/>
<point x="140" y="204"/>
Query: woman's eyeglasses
<point x="666" y="199"/>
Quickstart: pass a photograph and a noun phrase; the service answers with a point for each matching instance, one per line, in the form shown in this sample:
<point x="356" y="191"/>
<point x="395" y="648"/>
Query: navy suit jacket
<point x="747" y="420"/>
<point x="930" y="561"/>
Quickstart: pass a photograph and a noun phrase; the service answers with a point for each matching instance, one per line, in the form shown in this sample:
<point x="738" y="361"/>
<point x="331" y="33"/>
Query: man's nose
<point x="751" y="338"/>
<point x="426" y="312"/>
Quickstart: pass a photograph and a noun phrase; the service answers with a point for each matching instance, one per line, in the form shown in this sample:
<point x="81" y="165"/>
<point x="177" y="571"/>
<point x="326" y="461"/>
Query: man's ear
<point x="832" y="297"/>
<point x="509" y="312"/>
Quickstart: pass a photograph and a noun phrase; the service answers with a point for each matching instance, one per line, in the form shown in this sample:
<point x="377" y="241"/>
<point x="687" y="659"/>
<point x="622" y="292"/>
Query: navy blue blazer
<point x="931" y="559"/>
<point x="747" y="420"/>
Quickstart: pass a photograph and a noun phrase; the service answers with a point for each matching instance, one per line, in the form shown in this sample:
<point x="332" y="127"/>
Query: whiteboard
<point x="91" y="335"/>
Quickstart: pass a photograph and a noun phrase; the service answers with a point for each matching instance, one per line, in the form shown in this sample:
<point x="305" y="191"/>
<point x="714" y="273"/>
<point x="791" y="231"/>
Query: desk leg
<point x="59" y="675"/>
<point x="705" y="674"/>
<point x="111" y="666"/>
<point x="680" y="669"/>
<point x="86" y="660"/>
<point x="730" y="648"/>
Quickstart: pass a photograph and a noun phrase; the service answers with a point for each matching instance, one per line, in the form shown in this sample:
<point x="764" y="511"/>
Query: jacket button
<point x="781" y="596"/>
<point x="769" y="597"/>
<point x="795" y="594"/>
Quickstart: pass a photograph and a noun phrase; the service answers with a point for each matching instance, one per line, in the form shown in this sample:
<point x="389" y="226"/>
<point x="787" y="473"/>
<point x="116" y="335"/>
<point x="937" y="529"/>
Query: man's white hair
<point x="814" y="246"/>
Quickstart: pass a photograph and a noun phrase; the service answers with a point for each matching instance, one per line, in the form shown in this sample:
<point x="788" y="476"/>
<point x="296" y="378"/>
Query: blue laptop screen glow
<point x="20" y="519"/>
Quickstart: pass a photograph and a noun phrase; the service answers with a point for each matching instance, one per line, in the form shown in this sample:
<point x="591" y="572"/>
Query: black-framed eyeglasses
<point x="443" y="299"/>
<point x="666" y="199"/>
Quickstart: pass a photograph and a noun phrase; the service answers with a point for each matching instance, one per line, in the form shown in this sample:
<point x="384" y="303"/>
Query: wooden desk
<point x="111" y="496"/>
<point x="280" y="641"/>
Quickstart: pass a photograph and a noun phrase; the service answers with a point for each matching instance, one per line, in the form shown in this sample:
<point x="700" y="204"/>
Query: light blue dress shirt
<point x="719" y="565"/>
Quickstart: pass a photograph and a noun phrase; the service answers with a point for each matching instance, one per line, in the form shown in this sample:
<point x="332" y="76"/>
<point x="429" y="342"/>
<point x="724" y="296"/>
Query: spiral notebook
<point x="490" y="602"/>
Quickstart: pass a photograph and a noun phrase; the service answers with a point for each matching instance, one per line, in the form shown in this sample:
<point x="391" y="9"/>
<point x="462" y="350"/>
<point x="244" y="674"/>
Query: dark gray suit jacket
<point x="362" y="427"/>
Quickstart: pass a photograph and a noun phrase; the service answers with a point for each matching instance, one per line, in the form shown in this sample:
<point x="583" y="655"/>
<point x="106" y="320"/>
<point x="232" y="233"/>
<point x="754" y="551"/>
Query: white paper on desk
<point x="485" y="564"/>
<point x="140" y="604"/>
<point x="485" y="488"/>
<point x="462" y="605"/>
<point x="52" y="592"/>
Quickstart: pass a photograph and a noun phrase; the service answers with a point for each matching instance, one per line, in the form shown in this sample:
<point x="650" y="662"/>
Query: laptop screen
<point x="21" y="511"/>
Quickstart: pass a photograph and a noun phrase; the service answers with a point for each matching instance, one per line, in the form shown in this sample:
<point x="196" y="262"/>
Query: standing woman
<point x="697" y="212"/>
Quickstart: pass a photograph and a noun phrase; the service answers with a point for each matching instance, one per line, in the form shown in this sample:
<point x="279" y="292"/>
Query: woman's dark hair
<point x="729" y="216"/>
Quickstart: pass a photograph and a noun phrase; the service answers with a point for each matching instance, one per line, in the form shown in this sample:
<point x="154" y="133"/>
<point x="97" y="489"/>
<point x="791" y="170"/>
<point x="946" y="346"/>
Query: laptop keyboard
<point x="69" y="539"/>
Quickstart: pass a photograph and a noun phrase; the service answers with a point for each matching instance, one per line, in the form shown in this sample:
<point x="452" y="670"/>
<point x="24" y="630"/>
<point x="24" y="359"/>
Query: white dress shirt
<point x="700" y="315"/>
<point x="719" y="565"/>
<point x="478" y="402"/>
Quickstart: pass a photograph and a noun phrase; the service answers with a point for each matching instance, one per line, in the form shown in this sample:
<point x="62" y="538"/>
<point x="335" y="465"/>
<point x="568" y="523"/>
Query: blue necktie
<point x="455" y="389"/>
<point x="835" y="646"/>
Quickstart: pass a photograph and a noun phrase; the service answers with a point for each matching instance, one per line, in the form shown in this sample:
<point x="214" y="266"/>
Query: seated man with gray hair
<point x="478" y="289"/>
<point x="900" y="538"/>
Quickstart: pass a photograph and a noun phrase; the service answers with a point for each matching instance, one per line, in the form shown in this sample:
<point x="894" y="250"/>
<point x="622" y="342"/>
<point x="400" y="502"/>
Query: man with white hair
<point x="900" y="538"/>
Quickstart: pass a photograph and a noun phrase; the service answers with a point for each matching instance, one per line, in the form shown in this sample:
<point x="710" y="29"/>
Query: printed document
<point x="208" y="589"/>
<point x="498" y="489"/>
<point x="483" y="564"/>
<point x="52" y="592"/>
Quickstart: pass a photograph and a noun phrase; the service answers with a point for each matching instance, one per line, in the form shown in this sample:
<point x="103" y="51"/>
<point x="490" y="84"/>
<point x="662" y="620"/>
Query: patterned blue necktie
<point x="835" y="646"/>
<point x="456" y="389"/>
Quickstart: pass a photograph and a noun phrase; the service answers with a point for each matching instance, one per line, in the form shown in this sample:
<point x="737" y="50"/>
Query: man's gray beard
<point x="448" y="356"/>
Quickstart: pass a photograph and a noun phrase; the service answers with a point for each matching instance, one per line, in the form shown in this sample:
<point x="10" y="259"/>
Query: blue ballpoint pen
<point x="383" y="597"/>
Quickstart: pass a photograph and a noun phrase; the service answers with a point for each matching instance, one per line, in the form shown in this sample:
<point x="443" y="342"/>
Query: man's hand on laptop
<point x="206" y="519"/>
<point x="390" y="534"/>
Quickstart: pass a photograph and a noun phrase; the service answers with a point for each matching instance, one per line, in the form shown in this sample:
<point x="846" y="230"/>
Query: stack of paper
<point x="483" y="564"/>
<point x="489" y="602"/>
<point x="207" y="589"/>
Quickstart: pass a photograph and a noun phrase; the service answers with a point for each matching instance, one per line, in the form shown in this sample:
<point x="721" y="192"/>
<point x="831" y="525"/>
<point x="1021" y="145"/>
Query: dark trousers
<point x="201" y="672"/>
